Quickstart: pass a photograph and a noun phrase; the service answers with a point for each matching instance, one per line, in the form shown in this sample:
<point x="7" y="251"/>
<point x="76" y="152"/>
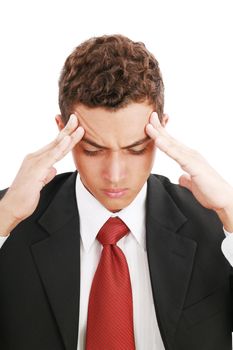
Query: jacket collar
<point x="170" y="258"/>
<point x="58" y="260"/>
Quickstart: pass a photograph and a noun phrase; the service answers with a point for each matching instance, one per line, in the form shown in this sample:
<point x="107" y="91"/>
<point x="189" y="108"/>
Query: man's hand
<point x="36" y="171"/>
<point x="209" y="188"/>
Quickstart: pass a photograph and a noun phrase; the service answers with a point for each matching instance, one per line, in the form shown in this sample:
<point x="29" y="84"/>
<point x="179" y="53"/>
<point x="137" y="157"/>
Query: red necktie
<point x="110" y="310"/>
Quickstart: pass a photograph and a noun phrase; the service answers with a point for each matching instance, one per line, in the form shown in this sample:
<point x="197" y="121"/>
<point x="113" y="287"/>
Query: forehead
<point x="119" y="127"/>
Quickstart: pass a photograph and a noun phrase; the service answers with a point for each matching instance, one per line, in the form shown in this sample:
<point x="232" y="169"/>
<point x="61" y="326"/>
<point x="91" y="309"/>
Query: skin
<point x="113" y="166"/>
<point x="37" y="169"/>
<point x="207" y="186"/>
<point x="115" y="153"/>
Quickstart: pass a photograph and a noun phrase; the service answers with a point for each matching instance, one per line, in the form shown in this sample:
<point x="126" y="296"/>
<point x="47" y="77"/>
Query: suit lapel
<point x="58" y="261"/>
<point x="170" y="257"/>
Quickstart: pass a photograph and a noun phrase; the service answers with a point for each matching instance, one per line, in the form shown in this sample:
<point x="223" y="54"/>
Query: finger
<point x="50" y="175"/>
<point x="186" y="157"/>
<point x="63" y="147"/>
<point x="68" y="129"/>
<point x="55" y="153"/>
<point x="151" y="131"/>
<point x="154" y="128"/>
<point x="154" y="120"/>
<point x="185" y="181"/>
<point x="75" y="138"/>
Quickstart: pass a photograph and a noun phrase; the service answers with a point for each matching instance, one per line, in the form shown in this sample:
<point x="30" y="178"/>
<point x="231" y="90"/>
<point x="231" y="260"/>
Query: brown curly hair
<point x="110" y="71"/>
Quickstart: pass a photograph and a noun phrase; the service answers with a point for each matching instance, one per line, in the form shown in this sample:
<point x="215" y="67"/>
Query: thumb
<point x="185" y="181"/>
<point x="52" y="172"/>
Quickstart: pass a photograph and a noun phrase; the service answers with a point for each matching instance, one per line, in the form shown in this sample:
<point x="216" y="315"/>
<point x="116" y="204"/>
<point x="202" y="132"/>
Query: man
<point x="165" y="284"/>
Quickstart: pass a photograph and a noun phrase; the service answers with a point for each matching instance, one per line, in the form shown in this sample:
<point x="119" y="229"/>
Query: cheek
<point x="86" y="166"/>
<point x="139" y="167"/>
<point x="75" y="157"/>
<point x="79" y="160"/>
<point x="147" y="160"/>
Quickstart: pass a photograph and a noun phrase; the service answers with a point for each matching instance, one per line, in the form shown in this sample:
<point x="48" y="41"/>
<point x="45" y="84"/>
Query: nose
<point x="114" y="168"/>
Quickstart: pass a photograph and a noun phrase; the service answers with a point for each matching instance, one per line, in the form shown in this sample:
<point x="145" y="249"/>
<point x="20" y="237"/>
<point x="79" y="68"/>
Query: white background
<point x="191" y="39"/>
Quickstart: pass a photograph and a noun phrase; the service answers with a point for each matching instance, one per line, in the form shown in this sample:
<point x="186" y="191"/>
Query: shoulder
<point x="48" y="193"/>
<point x="181" y="196"/>
<point x="29" y="230"/>
<point x="52" y="186"/>
<point x="56" y="183"/>
<point x="198" y="217"/>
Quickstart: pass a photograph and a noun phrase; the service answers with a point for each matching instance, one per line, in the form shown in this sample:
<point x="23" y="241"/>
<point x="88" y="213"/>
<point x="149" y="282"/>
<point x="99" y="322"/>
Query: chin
<point x="114" y="210"/>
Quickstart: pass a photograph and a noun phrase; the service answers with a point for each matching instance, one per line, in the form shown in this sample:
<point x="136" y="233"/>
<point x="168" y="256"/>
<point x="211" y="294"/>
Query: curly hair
<point x="110" y="71"/>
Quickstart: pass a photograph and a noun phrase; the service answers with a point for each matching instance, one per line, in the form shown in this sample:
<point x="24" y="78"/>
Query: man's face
<point x="115" y="156"/>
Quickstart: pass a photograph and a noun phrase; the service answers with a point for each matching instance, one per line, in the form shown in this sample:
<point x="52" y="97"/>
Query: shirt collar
<point x="93" y="215"/>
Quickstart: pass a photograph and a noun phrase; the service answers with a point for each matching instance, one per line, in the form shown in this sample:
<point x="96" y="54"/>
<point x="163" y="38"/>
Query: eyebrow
<point x="134" y="144"/>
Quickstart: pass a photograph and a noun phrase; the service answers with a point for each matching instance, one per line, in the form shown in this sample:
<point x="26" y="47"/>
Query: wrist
<point x="226" y="217"/>
<point x="7" y="219"/>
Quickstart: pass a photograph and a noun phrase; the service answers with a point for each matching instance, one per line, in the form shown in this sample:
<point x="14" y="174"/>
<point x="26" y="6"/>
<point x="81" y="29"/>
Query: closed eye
<point x="137" y="152"/>
<point x="92" y="153"/>
<point x="131" y="151"/>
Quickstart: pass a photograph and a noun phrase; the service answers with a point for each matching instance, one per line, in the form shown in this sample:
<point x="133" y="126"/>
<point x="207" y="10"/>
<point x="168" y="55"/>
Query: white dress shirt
<point x="146" y="331"/>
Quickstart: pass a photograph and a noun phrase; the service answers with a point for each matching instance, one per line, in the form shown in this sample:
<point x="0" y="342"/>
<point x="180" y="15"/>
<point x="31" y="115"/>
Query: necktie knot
<point x="112" y="231"/>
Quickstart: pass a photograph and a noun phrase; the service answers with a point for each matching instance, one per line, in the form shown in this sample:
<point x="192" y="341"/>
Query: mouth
<point x="115" y="192"/>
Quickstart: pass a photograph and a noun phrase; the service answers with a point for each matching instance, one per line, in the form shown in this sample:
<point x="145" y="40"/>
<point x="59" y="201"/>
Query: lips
<point x="115" y="192"/>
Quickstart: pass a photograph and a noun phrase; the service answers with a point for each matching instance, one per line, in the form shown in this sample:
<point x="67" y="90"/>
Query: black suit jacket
<point x="190" y="277"/>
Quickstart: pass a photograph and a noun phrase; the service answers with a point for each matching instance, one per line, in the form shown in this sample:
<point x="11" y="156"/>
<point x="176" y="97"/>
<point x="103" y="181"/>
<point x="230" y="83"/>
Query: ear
<point x="59" y="122"/>
<point x="165" y="119"/>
